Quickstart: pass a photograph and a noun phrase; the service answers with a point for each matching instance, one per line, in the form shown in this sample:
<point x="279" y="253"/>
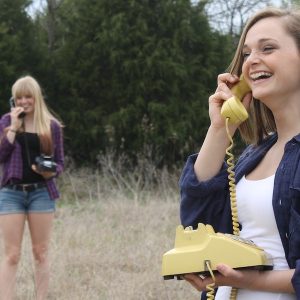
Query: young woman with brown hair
<point x="267" y="173"/>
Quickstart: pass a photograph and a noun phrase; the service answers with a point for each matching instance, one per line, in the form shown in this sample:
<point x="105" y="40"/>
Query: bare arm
<point x="212" y="153"/>
<point x="275" y="281"/>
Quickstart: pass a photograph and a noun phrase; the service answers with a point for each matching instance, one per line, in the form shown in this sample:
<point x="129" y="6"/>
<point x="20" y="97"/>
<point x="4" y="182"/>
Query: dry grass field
<point x="109" y="236"/>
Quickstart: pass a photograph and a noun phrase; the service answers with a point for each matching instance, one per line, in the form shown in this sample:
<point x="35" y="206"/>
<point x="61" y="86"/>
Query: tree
<point x="289" y="3"/>
<point x="46" y="14"/>
<point x="229" y="16"/>
<point x="135" y="74"/>
<point x="19" y="50"/>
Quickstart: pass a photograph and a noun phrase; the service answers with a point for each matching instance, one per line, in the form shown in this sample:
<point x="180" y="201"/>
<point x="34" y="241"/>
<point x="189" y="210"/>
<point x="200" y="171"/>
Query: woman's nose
<point x="253" y="57"/>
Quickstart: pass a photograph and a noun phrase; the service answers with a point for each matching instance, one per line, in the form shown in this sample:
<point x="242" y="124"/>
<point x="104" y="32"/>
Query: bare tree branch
<point x="229" y="16"/>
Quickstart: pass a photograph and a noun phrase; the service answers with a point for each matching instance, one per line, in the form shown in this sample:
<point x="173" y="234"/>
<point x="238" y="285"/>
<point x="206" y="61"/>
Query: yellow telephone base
<point x="193" y="248"/>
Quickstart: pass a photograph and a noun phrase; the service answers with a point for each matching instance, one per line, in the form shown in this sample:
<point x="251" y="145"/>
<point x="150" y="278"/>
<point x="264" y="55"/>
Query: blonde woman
<point x="267" y="173"/>
<point x="31" y="156"/>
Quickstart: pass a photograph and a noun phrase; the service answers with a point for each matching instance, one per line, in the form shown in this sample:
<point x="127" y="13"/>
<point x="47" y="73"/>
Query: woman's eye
<point x="245" y="55"/>
<point x="268" y="48"/>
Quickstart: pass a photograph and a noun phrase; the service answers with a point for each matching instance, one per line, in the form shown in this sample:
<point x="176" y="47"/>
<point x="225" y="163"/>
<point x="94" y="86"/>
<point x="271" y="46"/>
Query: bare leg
<point x="40" y="225"/>
<point x="12" y="228"/>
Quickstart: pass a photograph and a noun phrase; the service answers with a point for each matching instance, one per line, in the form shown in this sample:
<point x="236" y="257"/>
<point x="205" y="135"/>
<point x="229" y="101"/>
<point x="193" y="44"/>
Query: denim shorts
<point x="19" y="202"/>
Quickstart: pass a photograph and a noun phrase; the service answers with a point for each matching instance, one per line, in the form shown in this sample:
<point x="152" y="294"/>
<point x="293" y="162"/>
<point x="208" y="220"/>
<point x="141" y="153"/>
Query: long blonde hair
<point x="261" y="121"/>
<point x="28" y="86"/>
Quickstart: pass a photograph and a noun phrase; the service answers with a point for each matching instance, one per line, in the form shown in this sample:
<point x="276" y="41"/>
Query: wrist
<point x="12" y="129"/>
<point x="221" y="130"/>
<point x="218" y="133"/>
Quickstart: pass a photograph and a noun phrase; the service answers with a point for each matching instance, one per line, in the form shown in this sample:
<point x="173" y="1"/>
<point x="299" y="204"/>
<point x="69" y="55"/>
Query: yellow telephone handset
<point x="233" y="107"/>
<point x="200" y="251"/>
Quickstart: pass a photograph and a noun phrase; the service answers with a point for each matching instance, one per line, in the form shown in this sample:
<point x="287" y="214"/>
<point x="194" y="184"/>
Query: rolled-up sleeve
<point x="201" y="201"/>
<point x="58" y="158"/>
<point x="58" y="147"/>
<point x="6" y="147"/>
<point x="296" y="279"/>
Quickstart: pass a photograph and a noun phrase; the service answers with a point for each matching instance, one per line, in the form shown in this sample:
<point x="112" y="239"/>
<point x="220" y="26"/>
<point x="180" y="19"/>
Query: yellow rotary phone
<point x="199" y="251"/>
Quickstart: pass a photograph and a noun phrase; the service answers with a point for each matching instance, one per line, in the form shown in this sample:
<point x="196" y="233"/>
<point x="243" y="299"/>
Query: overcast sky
<point x="37" y="5"/>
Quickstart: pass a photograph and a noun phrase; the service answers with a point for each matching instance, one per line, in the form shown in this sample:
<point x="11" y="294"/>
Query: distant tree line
<point x="127" y="77"/>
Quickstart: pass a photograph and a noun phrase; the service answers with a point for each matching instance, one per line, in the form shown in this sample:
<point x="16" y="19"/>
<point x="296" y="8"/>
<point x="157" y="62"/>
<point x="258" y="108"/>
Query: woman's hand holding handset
<point x="212" y="153"/>
<point x="15" y="123"/>
<point x="223" y="92"/>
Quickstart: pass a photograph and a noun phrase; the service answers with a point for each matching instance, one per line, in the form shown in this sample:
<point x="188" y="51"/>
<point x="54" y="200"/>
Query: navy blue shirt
<point x="208" y="202"/>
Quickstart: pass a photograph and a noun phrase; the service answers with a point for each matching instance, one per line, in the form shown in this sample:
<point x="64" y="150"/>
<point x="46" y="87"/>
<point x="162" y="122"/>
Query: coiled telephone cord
<point x="232" y="190"/>
<point x="210" y="287"/>
<point x="234" y="213"/>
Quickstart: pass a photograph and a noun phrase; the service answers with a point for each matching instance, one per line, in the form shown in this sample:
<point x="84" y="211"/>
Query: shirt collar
<point x="297" y="138"/>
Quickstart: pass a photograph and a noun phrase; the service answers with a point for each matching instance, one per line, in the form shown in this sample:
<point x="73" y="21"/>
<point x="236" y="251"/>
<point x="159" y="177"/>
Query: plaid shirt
<point x="11" y="156"/>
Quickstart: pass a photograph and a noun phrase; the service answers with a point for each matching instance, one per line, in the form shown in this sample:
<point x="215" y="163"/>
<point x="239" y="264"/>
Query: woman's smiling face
<point x="27" y="102"/>
<point x="271" y="60"/>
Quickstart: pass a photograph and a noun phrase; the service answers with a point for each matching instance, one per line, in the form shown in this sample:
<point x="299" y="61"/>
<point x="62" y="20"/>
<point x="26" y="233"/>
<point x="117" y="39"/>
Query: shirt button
<point x="287" y="236"/>
<point x="280" y="202"/>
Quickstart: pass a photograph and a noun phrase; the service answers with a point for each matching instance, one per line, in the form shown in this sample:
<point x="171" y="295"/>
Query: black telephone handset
<point x="13" y="104"/>
<point x="233" y="107"/>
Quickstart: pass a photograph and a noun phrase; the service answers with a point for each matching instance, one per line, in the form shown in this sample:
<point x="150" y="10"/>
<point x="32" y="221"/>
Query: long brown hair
<point x="261" y="121"/>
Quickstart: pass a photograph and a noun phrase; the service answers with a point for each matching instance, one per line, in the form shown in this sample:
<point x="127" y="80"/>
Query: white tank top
<point x="255" y="213"/>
